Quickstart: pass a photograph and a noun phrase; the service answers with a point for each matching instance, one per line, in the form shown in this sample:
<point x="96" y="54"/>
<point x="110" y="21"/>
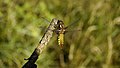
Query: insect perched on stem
<point x="60" y="30"/>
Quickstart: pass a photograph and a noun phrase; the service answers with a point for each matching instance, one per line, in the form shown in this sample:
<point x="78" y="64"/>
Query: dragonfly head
<point x="60" y="24"/>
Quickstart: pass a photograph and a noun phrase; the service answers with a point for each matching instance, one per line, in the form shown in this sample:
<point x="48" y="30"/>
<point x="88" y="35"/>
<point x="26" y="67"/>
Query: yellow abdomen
<point x="61" y="40"/>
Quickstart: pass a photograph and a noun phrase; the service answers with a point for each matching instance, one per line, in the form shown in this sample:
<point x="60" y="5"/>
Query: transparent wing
<point x="73" y="23"/>
<point x="45" y="19"/>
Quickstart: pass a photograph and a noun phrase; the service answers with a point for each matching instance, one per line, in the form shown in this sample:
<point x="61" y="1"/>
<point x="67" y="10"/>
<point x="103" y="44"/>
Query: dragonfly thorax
<point x="60" y="28"/>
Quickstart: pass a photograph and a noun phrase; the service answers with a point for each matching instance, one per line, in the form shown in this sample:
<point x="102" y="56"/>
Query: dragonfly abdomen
<point x="61" y="40"/>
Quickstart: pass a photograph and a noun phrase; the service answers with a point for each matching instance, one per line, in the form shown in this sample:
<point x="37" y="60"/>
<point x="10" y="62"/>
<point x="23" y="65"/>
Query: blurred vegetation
<point x="95" y="46"/>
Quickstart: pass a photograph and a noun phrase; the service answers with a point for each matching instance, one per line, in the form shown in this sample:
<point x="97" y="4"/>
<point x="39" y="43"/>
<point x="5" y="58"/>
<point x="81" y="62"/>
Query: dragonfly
<point x="60" y="30"/>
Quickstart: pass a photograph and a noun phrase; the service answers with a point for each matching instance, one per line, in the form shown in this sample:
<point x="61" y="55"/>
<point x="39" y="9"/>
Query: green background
<point x="97" y="45"/>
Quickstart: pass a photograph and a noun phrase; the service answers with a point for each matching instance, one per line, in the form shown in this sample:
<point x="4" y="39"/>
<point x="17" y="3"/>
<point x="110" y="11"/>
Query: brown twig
<point x="45" y="39"/>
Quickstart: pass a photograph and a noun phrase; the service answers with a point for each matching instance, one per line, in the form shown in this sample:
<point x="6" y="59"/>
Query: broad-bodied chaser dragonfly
<point x="60" y="30"/>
